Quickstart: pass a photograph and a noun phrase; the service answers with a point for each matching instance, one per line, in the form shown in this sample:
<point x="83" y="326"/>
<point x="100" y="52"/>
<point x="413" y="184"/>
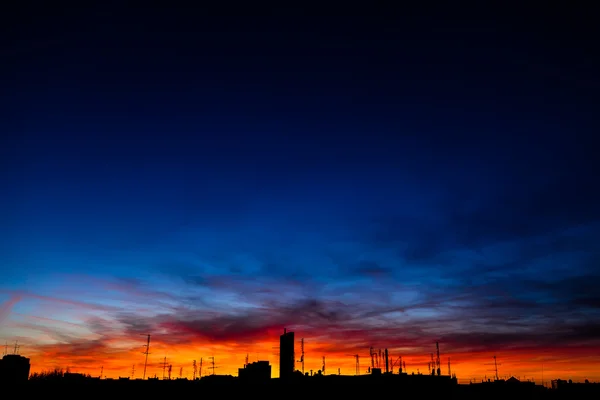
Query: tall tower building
<point x="287" y="357"/>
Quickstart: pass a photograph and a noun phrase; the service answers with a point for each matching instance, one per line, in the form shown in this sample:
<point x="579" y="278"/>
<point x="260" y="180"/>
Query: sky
<point x="386" y="179"/>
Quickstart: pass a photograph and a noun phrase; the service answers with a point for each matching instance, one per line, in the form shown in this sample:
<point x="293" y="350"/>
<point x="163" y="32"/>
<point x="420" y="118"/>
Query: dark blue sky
<point x="355" y="163"/>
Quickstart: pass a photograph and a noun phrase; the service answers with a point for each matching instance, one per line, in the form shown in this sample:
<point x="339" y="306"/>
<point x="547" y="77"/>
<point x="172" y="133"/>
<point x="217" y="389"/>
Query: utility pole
<point x="146" y="352"/>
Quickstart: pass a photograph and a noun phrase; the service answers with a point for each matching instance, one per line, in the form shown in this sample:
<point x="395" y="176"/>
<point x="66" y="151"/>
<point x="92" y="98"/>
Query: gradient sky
<point x="375" y="181"/>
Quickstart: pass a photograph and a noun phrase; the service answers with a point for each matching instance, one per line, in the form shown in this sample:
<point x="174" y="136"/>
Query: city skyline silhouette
<point x="367" y="178"/>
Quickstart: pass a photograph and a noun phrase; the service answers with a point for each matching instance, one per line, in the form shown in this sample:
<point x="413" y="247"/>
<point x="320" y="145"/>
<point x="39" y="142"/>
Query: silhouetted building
<point x="256" y="371"/>
<point x="14" y="368"/>
<point x="286" y="355"/>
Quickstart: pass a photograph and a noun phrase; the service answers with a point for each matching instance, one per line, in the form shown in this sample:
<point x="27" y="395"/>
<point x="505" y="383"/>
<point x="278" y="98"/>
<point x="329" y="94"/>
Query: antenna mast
<point x="132" y="371"/>
<point x="495" y="364"/>
<point x="146" y="352"/>
<point x="323" y="369"/>
<point x="101" y="371"/>
<point x="302" y="354"/>
<point x="164" y="367"/>
<point x="438" y="363"/>
<point x="16" y="351"/>
<point x="200" y="374"/>
<point x="213" y="365"/>
<point x="195" y="369"/>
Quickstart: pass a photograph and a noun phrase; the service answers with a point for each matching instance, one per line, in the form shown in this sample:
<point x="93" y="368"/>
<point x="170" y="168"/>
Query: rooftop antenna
<point x="438" y="362"/>
<point x="357" y="364"/>
<point x="101" y="371"/>
<point x="195" y="369"/>
<point x="213" y="365"/>
<point x="200" y="372"/>
<point x="5" y="348"/>
<point x="132" y="371"/>
<point x="495" y="364"/>
<point x="180" y="372"/>
<point x="431" y="366"/>
<point x="302" y="354"/>
<point x="16" y="351"/>
<point x="372" y="354"/>
<point x="146" y="352"/>
<point x="449" y="371"/>
<point x="246" y="363"/>
<point x="170" y="369"/>
<point x="323" y="369"/>
<point x="164" y="366"/>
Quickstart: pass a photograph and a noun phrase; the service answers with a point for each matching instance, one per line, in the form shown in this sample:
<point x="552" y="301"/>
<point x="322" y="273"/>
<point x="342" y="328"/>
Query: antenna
<point x="170" y="368"/>
<point x="246" y="362"/>
<point x="495" y="364"/>
<point x="180" y="372"/>
<point x="302" y="354"/>
<point x="132" y="371"/>
<point x="5" y="348"/>
<point x="357" y="363"/>
<point x="101" y="371"/>
<point x="195" y="369"/>
<point x="146" y="352"/>
<point x="164" y="367"/>
<point x="16" y="351"/>
<point x="438" y="363"/>
<point x="200" y="374"/>
<point x="323" y="369"/>
<point x="213" y="365"/>
<point x="449" y="371"/>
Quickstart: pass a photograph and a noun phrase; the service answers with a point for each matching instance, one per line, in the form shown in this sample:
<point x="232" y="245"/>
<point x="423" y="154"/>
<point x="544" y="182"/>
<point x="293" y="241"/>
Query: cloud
<point x="7" y="305"/>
